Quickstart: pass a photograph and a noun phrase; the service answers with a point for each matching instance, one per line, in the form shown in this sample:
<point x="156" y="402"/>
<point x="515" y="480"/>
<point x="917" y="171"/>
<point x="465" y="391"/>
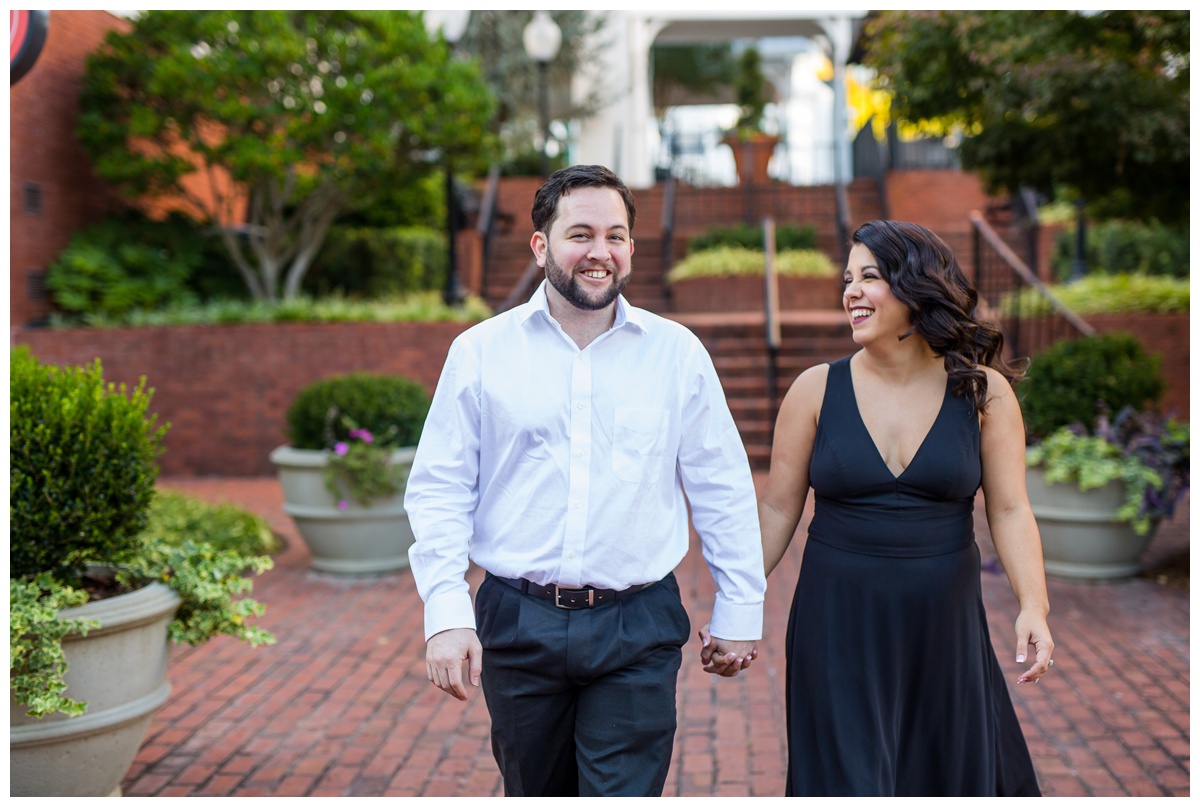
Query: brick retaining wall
<point x="225" y="389"/>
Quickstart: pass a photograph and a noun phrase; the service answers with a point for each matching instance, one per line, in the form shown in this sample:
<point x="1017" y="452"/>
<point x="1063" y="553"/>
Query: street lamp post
<point x="452" y="25"/>
<point x="543" y="38"/>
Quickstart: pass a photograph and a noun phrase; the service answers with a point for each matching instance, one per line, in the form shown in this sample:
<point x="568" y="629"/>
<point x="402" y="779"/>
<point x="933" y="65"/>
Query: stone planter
<point x="356" y="541"/>
<point x="745" y="293"/>
<point x="120" y="670"/>
<point x="1081" y="537"/>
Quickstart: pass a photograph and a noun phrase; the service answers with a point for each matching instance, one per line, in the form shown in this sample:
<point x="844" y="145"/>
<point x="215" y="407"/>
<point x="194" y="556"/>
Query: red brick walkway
<point x="341" y="706"/>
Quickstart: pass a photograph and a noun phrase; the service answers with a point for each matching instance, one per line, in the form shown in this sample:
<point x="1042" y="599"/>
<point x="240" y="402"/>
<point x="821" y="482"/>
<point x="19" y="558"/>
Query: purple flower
<point x="362" y="434"/>
<point x="342" y="505"/>
<point x="341" y="449"/>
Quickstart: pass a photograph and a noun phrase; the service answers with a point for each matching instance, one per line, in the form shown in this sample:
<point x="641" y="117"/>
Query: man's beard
<point x="568" y="286"/>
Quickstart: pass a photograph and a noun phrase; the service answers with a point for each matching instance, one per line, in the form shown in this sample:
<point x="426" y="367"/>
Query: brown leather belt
<point x="572" y="599"/>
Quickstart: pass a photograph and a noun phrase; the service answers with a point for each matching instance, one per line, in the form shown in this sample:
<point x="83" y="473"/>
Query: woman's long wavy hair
<point x="924" y="275"/>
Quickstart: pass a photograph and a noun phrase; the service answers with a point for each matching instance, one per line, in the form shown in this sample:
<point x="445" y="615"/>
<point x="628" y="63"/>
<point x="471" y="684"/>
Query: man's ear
<point x="539" y="245"/>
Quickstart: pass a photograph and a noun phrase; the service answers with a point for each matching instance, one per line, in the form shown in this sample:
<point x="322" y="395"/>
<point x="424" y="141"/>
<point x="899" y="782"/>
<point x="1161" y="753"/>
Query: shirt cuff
<point x="446" y="611"/>
<point x="736" y="622"/>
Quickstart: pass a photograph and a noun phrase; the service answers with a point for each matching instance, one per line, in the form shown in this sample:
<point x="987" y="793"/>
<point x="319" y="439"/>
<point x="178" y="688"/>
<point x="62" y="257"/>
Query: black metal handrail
<point x="668" y="232"/>
<point x="774" y="335"/>
<point x="1001" y="277"/>
<point x="523" y="287"/>
<point x="485" y="226"/>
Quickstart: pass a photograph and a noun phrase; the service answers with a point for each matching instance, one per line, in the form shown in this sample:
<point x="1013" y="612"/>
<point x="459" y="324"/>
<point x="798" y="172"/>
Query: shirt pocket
<point x="639" y="441"/>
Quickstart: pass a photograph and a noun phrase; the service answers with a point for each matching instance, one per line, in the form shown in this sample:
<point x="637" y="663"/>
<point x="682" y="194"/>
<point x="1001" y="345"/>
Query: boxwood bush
<point x="1075" y="380"/>
<point x="378" y="261"/>
<point x="83" y="460"/>
<point x="175" y="517"/>
<point x="391" y="407"/>
<point x="1125" y="247"/>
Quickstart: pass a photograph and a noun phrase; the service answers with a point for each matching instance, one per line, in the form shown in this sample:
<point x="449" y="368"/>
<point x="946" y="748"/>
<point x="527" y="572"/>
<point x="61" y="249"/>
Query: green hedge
<point x="378" y="262"/>
<point x="1119" y="247"/>
<point x="1109" y="294"/>
<point x="737" y="261"/>
<point x="750" y="236"/>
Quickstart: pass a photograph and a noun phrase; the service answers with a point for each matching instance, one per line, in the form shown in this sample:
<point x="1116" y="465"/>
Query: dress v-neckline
<point x="871" y="439"/>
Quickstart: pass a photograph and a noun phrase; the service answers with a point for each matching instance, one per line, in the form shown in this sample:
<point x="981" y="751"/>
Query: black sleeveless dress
<point x="893" y="686"/>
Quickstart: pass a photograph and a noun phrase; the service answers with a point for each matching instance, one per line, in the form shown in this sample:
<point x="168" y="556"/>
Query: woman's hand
<point x="1033" y="633"/>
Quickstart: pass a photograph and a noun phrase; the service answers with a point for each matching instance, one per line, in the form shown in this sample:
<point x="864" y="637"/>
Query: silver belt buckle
<point x="558" y="590"/>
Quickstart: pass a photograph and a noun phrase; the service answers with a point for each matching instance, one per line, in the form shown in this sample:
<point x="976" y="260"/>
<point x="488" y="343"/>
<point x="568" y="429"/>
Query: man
<point x="562" y="438"/>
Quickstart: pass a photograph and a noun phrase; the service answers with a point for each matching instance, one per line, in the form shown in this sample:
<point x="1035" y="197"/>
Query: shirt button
<point x="579" y="406"/>
<point x="577" y="505"/>
<point x="571" y="556"/>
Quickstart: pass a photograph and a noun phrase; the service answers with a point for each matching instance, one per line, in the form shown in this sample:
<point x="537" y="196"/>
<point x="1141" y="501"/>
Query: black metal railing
<point x="667" y="225"/>
<point x="485" y="226"/>
<point x="1012" y="297"/>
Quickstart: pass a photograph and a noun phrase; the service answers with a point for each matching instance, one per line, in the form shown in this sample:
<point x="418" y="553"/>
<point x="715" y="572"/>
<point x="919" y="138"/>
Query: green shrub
<point x="378" y="262"/>
<point x="129" y="262"/>
<point x="750" y="236"/>
<point x="175" y="518"/>
<point x="1122" y="247"/>
<point x="737" y="261"/>
<point x="1075" y="380"/>
<point x="82" y="462"/>
<point x="391" y="407"/>
<point x="1108" y="294"/>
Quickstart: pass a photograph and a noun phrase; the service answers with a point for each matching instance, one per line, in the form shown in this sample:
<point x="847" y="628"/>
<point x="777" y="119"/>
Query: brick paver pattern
<point x="340" y="706"/>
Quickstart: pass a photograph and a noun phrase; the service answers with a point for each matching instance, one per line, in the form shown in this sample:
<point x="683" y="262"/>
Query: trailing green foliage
<point x="1076" y="380"/>
<point x="208" y="580"/>
<point x="391" y="407"/>
<point x="1107" y="294"/>
<point x="82" y="466"/>
<point x="738" y="261"/>
<point x="378" y="262"/>
<point x="35" y="632"/>
<point x="1149" y="455"/>
<point x="175" y="518"/>
<point x="750" y="236"/>
<point x="1126" y="247"/>
<point x="419" y="307"/>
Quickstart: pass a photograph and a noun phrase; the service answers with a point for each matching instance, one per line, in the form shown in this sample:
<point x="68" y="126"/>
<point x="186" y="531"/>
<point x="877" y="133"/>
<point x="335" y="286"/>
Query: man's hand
<point x="446" y="654"/>
<point x="724" y="657"/>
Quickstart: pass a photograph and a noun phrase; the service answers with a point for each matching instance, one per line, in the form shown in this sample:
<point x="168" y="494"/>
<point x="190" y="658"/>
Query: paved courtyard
<point x="340" y="706"/>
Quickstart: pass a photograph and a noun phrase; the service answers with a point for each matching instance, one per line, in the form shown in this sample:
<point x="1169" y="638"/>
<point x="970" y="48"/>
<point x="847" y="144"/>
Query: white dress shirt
<point x="568" y="466"/>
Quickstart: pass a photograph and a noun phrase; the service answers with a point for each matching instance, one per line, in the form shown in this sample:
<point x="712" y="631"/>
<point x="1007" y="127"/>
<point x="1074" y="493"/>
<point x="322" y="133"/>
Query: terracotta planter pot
<point x="1081" y="537"/>
<point x="752" y="156"/>
<point x="120" y="670"/>
<point x="745" y="293"/>
<point x="356" y="541"/>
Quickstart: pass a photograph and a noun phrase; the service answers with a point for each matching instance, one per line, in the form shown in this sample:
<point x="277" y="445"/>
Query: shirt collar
<point x="626" y="314"/>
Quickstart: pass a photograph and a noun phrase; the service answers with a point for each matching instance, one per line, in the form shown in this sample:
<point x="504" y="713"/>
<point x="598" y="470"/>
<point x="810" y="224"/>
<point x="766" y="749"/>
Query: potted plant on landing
<point x="752" y="146"/>
<point x="92" y="597"/>
<point x="1099" y="490"/>
<point x="352" y="442"/>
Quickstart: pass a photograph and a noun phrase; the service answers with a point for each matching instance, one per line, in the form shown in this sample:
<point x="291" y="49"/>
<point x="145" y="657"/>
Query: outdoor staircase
<point x="736" y="341"/>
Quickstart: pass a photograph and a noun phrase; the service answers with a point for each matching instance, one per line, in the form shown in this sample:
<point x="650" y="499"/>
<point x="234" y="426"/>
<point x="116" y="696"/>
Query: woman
<point x="893" y="686"/>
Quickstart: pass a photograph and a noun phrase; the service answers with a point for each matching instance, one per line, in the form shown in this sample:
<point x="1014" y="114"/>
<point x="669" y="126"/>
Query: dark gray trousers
<point x="582" y="702"/>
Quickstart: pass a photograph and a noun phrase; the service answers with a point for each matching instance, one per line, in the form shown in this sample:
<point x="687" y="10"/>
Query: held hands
<point x="1033" y="630"/>
<point x="723" y="657"/>
<point x="447" y="653"/>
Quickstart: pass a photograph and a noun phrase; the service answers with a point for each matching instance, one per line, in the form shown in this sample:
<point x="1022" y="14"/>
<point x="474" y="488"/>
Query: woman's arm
<point x="782" y="500"/>
<point x="1010" y="519"/>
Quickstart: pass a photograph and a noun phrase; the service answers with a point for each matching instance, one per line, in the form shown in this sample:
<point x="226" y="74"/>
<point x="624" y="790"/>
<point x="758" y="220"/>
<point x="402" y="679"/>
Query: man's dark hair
<point x="565" y="180"/>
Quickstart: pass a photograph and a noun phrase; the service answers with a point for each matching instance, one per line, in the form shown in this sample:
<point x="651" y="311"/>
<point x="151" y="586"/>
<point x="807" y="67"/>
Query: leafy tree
<point x="278" y="119"/>
<point x="1098" y="102"/>
<point x="683" y="73"/>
